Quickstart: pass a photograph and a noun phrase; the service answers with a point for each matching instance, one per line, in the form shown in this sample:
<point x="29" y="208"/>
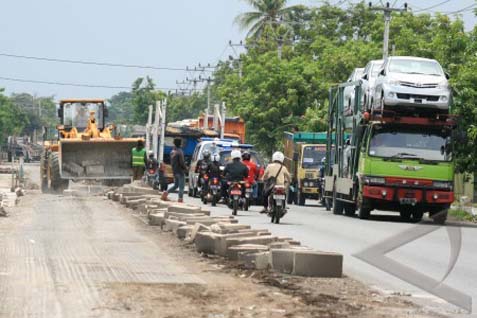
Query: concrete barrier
<point x="318" y="264"/>
<point x="234" y="251"/>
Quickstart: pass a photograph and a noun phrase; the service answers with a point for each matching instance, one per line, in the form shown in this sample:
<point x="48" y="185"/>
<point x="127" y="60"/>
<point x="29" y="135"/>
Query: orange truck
<point x="234" y="127"/>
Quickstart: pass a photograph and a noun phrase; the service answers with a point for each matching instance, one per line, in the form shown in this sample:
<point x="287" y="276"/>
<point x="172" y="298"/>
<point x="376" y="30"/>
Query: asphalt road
<point x="315" y="227"/>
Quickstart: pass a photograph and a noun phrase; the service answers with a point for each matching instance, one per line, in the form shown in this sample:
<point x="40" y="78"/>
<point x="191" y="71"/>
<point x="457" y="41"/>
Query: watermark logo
<point x="376" y="256"/>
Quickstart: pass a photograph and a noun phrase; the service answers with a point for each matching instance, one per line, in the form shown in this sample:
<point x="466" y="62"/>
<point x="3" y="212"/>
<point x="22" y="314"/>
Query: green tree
<point x="268" y="13"/>
<point x="121" y="109"/>
<point x="143" y="95"/>
<point x="12" y="119"/>
<point x="181" y="107"/>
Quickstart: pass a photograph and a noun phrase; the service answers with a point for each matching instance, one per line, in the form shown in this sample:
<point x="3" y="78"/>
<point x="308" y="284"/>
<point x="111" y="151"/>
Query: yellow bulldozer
<point x="85" y="148"/>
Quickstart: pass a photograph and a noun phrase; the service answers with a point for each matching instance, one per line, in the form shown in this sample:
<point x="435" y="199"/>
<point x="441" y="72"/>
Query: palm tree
<point x="268" y="12"/>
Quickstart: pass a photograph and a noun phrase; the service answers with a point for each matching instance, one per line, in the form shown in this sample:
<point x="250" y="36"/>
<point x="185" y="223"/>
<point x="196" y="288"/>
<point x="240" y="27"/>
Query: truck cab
<point x="304" y="154"/>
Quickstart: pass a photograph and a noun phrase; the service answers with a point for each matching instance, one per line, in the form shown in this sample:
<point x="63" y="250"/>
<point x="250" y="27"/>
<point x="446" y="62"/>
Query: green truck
<point x="392" y="161"/>
<point x="304" y="153"/>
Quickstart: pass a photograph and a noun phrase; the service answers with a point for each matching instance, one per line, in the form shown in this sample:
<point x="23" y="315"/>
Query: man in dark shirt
<point x="178" y="169"/>
<point x="236" y="171"/>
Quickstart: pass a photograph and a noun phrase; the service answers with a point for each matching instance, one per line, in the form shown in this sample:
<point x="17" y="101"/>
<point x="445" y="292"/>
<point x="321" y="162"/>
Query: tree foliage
<point x="272" y="94"/>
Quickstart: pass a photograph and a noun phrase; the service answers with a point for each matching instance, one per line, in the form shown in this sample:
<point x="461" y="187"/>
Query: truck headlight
<point x="374" y="180"/>
<point x="443" y="185"/>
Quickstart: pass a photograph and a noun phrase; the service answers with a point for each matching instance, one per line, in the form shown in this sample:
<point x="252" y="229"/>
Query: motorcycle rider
<point x="151" y="166"/>
<point x="235" y="171"/>
<point x="202" y="168"/>
<point x="279" y="172"/>
<point x="214" y="168"/>
<point x="252" y="172"/>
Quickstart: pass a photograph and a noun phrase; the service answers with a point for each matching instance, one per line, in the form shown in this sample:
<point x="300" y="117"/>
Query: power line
<point x="433" y="7"/>
<point x="95" y="63"/>
<point x="85" y="85"/>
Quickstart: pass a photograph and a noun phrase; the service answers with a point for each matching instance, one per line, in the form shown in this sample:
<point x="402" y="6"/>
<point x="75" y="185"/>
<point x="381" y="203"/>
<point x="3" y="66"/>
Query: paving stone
<point x="259" y="261"/>
<point x="233" y="251"/>
<point x="224" y="245"/>
<point x="282" y="260"/>
<point x="156" y="219"/>
<point x="198" y="227"/>
<point x="318" y="264"/>
<point x="173" y="225"/>
<point x="184" y="231"/>
<point x="182" y="208"/>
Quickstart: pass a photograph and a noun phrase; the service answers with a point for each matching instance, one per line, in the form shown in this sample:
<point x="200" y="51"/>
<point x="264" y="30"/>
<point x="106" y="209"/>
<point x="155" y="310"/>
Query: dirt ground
<point x="231" y="292"/>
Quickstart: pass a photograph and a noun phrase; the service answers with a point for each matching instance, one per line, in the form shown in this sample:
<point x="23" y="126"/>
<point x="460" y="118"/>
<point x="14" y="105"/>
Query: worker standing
<point x="139" y="160"/>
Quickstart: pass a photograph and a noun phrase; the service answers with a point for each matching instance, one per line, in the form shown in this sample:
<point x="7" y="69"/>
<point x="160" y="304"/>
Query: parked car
<point x="370" y="74"/>
<point x="412" y="81"/>
<point x="349" y="91"/>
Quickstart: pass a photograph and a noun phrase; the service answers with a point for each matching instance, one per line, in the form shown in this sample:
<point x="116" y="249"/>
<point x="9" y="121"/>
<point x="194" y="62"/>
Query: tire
<point x="278" y="214"/>
<point x="190" y="192"/>
<point x="234" y="207"/>
<point x="57" y="184"/>
<point x="246" y="204"/>
<point x="328" y="204"/>
<point x="350" y="209"/>
<point x="290" y="197"/>
<point x="405" y="215"/>
<point x="364" y="211"/>
<point x="417" y="215"/>
<point x="440" y="217"/>
<point x="337" y="205"/>
<point x="44" y="173"/>
<point x="214" y="200"/>
<point x="301" y="199"/>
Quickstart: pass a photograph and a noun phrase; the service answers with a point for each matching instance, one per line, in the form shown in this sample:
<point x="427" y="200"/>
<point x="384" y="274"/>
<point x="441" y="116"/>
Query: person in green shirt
<point x="139" y="160"/>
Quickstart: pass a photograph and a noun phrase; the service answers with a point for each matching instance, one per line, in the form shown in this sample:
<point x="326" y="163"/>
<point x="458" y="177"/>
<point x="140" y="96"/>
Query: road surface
<point x="315" y="227"/>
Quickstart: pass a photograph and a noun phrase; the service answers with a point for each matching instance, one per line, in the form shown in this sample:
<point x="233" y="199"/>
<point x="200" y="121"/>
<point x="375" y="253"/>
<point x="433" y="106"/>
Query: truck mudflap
<point x="101" y="159"/>
<point x="408" y="196"/>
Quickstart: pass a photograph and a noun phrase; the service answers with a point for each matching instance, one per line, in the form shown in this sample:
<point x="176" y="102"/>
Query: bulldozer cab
<point x="76" y="113"/>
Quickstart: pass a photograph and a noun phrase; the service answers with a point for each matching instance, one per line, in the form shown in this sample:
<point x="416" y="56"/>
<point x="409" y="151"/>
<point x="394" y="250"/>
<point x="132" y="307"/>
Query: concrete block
<point x="277" y="245"/>
<point x="259" y="261"/>
<point x="294" y="243"/>
<point x="116" y="197"/>
<point x="198" y="227"/>
<point x="205" y="211"/>
<point x="173" y="225"/>
<point x="234" y="251"/>
<point x="156" y="219"/>
<point x="184" y="231"/>
<point x="318" y="264"/>
<point x="134" y="203"/>
<point x="282" y="260"/>
<point x="205" y="242"/>
<point x="231" y="228"/>
<point x="259" y="240"/>
<point x="181" y="208"/>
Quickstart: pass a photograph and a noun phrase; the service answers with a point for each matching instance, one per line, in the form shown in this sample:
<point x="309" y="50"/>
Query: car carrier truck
<point x="304" y="152"/>
<point x="397" y="160"/>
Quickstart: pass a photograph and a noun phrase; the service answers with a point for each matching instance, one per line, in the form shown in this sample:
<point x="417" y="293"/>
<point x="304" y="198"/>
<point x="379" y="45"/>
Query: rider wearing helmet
<point x="203" y="166"/>
<point x="252" y="172"/>
<point x="236" y="171"/>
<point x="276" y="170"/>
<point x="214" y="167"/>
<point x="152" y="163"/>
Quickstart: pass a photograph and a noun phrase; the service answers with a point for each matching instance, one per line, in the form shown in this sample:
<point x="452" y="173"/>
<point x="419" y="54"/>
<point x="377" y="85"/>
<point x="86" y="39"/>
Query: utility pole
<point x="208" y="109"/>
<point x="148" y="129"/>
<point x="387" y="10"/>
<point x="162" y="117"/>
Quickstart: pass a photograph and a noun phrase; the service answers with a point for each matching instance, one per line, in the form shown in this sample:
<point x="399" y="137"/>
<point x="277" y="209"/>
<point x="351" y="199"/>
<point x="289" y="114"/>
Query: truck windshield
<point x="434" y="145"/>
<point x="312" y="156"/>
<point x="77" y="114"/>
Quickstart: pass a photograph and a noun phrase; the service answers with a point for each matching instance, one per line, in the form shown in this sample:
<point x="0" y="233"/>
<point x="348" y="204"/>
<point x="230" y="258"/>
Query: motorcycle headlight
<point x="443" y="185"/>
<point x="374" y="180"/>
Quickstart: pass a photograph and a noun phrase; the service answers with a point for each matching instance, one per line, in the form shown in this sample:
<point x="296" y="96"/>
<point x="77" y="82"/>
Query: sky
<point x="162" y="33"/>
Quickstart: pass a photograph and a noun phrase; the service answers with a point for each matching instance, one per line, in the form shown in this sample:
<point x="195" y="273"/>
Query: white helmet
<point x="236" y="154"/>
<point x="216" y="157"/>
<point x="278" y="156"/>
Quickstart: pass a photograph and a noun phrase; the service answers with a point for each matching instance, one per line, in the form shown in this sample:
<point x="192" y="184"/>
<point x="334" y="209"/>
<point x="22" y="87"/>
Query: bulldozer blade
<point x="96" y="159"/>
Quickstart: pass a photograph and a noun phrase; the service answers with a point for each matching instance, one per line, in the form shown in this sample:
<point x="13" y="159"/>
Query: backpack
<point x="272" y="181"/>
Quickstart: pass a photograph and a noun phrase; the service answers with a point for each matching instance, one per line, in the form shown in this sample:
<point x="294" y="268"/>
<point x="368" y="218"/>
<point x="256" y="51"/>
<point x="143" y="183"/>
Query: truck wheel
<point x="440" y="217"/>
<point x="328" y="204"/>
<point x="337" y="205"/>
<point x="417" y="215"/>
<point x="405" y="215"/>
<point x="350" y="209"/>
<point x="301" y="199"/>
<point x="290" y="196"/>
<point x="57" y="184"/>
<point x="44" y="173"/>
<point x="364" y="211"/>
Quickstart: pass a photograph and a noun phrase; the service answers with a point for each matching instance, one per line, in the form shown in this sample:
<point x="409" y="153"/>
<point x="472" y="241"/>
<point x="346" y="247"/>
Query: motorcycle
<point x="204" y="189"/>
<point x="152" y="178"/>
<point x="235" y="196"/>
<point x="214" y="190"/>
<point x="276" y="203"/>
<point x="248" y="196"/>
